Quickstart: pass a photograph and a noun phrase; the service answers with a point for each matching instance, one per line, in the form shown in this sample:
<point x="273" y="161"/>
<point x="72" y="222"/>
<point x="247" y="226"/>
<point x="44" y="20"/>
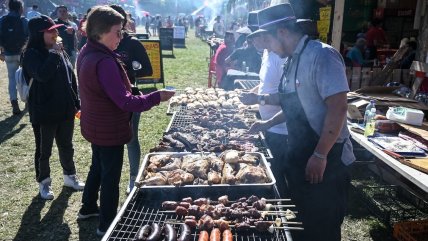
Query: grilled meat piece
<point x="181" y="211"/>
<point x="156" y="180"/>
<point x="187" y="200"/>
<point x="179" y="177"/>
<point x="173" y="142"/>
<point x="194" y="210"/>
<point x="164" y="147"/>
<point x="184" y="205"/>
<point x="254" y="213"/>
<point x="160" y="160"/>
<point x="214" y="177"/>
<point x="223" y="200"/>
<point x="250" y="159"/>
<point x="252" y="199"/>
<point x="206" y="222"/>
<point x="198" y="167"/>
<point x="260" y="204"/>
<point x="228" y="177"/>
<point x="189" y="141"/>
<point x="169" y="205"/>
<point x="200" y="181"/>
<point x="221" y="224"/>
<point x="200" y="201"/>
<point x="242" y="226"/>
<point x="216" y="164"/>
<point x="263" y="226"/>
<point x="174" y="164"/>
<point x="191" y="222"/>
<point x="251" y="174"/>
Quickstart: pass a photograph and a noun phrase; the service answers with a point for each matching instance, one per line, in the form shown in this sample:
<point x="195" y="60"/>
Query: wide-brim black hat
<point x="271" y="16"/>
<point x="253" y="20"/>
<point x="42" y="23"/>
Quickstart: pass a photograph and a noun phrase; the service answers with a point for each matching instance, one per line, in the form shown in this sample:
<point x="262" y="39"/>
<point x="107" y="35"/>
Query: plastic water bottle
<point x="370" y="125"/>
<point x="367" y="112"/>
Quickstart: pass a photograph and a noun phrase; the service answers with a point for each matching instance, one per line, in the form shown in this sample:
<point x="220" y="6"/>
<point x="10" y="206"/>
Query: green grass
<point x="24" y="216"/>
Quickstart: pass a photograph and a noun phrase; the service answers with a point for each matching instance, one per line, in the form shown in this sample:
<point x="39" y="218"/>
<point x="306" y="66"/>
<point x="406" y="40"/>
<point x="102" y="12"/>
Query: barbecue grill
<point x="246" y="84"/>
<point x="142" y="207"/>
<point x="182" y="119"/>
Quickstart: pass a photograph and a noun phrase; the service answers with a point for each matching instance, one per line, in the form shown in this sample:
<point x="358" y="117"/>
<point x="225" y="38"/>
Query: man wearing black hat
<point x="312" y="96"/>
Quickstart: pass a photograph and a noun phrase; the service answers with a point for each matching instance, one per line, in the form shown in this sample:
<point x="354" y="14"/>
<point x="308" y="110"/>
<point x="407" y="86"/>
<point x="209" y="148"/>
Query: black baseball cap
<point x="42" y="23"/>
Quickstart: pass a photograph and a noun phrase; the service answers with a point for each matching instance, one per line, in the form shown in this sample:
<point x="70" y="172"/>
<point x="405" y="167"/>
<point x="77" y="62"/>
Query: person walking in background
<point x="53" y="102"/>
<point x="67" y="33"/>
<point x="13" y="36"/>
<point x="33" y="13"/>
<point x="218" y="28"/>
<point x="107" y="106"/>
<point x="133" y="52"/>
<point x="223" y="51"/>
<point x="147" y="25"/>
<point x="356" y="53"/>
<point x="81" y="31"/>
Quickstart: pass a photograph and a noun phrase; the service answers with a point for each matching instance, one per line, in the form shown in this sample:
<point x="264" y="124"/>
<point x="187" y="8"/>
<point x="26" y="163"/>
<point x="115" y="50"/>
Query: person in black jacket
<point x="137" y="64"/>
<point x="53" y="102"/>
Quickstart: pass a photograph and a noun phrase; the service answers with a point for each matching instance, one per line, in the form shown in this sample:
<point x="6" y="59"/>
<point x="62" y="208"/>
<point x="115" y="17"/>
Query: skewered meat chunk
<point x="223" y="199"/>
<point x="214" y="177"/>
<point x="200" y="201"/>
<point x="169" y="205"/>
<point x="206" y="222"/>
<point x="260" y="204"/>
<point x="251" y="174"/>
<point x="254" y="213"/>
<point x="236" y="205"/>
<point x="242" y="226"/>
<point x="252" y="199"/>
<point x="184" y="205"/>
<point x="181" y="211"/>
<point x="194" y="210"/>
<point x="242" y="199"/>
<point x="221" y="224"/>
<point x="156" y="180"/>
<point x="263" y="226"/>
<point x="191" y="223"/>
<point x="187" y="200"/>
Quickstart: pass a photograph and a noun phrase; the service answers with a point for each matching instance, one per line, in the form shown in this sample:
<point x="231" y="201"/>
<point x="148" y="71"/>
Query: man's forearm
<point x="333" y="123"/>
<point x="277" y="119"/>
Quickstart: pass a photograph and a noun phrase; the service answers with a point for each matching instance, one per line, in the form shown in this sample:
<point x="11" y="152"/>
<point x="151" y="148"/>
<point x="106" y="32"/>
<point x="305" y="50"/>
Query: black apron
<point x="327" y="199"/>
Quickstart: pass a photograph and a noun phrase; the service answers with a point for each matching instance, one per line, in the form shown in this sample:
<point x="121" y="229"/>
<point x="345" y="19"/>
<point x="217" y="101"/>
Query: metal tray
<point x="246" y="84"/>
<point x="209" y="188"/>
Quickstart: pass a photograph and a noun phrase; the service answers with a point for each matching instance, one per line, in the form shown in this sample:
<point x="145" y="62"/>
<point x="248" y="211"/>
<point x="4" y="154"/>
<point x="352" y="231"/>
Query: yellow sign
<point x="323" y="26"/>
<point x="325" y="13"/>
<point x="323" y="38"/>
<point x="154" y="53"/>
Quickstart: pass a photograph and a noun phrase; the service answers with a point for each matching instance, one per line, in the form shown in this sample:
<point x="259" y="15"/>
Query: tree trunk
<point x="423" y="36"/>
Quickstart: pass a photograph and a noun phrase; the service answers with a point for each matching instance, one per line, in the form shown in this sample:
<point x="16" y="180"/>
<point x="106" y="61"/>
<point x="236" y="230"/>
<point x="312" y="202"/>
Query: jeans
<point x="37" y="135"/>
<point x="134" y="151"/>
<point x="63" y="134"/>
<point x="104" y="176"/>
<point x="12" y="64"/>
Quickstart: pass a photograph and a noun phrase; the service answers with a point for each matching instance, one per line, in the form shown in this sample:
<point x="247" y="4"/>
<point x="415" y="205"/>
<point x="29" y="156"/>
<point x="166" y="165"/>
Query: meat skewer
<point x="261" y="226"/>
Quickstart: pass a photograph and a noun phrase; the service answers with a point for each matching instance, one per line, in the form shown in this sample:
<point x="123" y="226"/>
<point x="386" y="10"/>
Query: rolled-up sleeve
<point x="330" y="75"/>
<point x="111" y="81"/>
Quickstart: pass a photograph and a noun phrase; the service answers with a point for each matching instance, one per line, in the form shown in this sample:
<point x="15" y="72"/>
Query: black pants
<point x="321" y="207"/>
<point x="278" y="144"/>
<point x="36" y="131"/>
<point x="104" y="176"/>
<point x="62" y="133"/>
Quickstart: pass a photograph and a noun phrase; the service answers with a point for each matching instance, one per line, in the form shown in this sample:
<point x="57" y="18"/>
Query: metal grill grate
<point x="247" y="84"/>
<point x="142" y="209"/>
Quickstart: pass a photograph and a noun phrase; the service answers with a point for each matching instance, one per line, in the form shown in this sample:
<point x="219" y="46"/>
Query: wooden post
<point x="339" y="6"/>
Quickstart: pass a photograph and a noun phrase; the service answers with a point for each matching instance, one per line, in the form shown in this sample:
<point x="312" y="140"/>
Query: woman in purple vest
<point x="106" y="105"/>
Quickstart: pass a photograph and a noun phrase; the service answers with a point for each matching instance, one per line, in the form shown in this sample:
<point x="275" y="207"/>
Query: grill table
<point x="141" y="208"/>
<point x="246" y="84"/>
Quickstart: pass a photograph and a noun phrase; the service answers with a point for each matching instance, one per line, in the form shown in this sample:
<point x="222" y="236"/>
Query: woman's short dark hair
<point x="15" y="5"/>
<point x="100" y="20"/>
<point x="122" y="12"/>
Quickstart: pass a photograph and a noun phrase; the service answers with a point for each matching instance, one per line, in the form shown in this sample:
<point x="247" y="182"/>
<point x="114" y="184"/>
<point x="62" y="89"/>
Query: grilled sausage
<point x="203" y="236"/>
<point x="181" y="211"/>
<point x="184" y="205"/>
<point x="169" y="205"/>
<point x="227" y="235"/>
<point x="215" y="235"/>
<point x="155" y="235"/>
<point x="184" y="232"/>
<point x="191" y="223"/>
<point x="170" y="233"/>
<point x="143" y="233"/>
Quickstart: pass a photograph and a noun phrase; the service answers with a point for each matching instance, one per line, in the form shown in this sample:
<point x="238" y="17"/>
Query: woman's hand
<point x="165" y="95"/>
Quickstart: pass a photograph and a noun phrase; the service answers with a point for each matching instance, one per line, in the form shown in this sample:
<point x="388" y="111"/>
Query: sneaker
<point x="100" y="233"/>
<point x="45" y="189"/>
<point x="86" y="213"/>
<point x="131" y="184"/>
<point x="73" y="182"/>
